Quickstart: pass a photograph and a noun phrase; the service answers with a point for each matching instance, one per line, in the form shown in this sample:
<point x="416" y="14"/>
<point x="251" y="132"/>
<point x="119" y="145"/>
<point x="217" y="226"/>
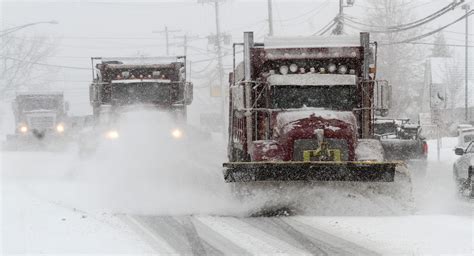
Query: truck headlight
<point x="177" y="133"/>
<point x="112" y="135"/>
<point x="23" y="129"/>
<point x="60" y="128"/>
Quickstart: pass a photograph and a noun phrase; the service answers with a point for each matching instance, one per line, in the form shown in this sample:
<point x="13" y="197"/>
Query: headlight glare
<point x="60" y="128"/>
<point x="23" y="129"/>
<point x="177" y="133"/>
<point x="112" y="135"/>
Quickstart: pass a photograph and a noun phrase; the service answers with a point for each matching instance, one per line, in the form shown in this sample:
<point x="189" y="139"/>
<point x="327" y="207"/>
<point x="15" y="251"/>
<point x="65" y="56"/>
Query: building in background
<point x="444" y="95"/>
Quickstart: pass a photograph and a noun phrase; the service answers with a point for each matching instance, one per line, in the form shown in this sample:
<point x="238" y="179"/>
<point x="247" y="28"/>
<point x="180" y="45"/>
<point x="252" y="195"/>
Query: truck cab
<point x="39" y="116"/>
<point x="300" y="107"/>
<point x="123" y="84"/>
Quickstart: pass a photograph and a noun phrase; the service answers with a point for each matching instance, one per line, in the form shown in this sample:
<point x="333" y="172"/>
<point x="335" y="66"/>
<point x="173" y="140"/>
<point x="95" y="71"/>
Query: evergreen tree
<point x="440" y="48"/>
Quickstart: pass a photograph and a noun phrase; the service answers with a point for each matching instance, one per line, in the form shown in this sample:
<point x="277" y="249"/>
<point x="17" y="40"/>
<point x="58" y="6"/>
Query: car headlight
<point x="23" y="129"/>
<point x="177" y="133"/>
<point x="60" y="128"/>
<point x="112" y="135"/>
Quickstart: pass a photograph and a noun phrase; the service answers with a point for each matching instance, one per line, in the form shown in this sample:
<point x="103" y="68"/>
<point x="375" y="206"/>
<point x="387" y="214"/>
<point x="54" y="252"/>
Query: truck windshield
<point x="141" y="93"/>
<point x="39" y="103"/>
<point x="339" y="97"/>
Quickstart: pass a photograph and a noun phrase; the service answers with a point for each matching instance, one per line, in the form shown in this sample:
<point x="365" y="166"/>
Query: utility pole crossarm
<point x="166" y="31"/>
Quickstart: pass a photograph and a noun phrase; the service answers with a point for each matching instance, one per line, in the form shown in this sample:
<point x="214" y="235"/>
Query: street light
<point x="11" y="30"/>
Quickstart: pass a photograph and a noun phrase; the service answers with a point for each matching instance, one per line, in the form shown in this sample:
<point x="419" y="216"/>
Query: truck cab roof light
<point x="332" y="68"/>
<point x="293" y="68"/>
<point x="342" y="69"/>
<point x="283" y="70"/>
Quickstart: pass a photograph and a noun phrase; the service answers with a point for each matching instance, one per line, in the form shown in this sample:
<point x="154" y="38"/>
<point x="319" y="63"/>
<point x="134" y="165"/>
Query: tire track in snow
<point x="157" y="242"/>
<point x="180" y="233"/>
<point x="344" y="247"/>
<point x="282" y="230"/>
<point x="210" y="235"/>
<point x="252" y="239"/>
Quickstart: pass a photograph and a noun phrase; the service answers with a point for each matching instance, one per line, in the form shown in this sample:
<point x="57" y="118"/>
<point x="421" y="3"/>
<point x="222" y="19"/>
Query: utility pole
<point x="339" y="29"/>
<point x="166" y="31"/>
<point x="220" y="67"/>
<point x="466" y="74"/>
<point x="186" y="38"/>
<point x="270" y="18"/>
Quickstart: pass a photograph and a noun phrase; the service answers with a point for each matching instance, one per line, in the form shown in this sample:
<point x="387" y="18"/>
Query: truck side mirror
<point x="188" y="93"/>
<point x="459" y="151"/>
<point x="66" y="106"/>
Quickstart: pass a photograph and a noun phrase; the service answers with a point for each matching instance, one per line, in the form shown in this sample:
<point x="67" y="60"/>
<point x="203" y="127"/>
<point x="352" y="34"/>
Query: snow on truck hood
<point x="309" y="79"/>
<point x="292" y="115"/>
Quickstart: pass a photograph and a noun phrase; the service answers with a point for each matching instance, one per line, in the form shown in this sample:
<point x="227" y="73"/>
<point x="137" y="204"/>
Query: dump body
<point x="298" y="108"/>
<point x="122" y="85"/>
<point x="155" y="83"/>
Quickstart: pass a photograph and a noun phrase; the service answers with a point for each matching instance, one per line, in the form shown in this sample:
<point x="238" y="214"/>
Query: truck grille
<point x="302" y="145"/>
<point x="41" y="122"/>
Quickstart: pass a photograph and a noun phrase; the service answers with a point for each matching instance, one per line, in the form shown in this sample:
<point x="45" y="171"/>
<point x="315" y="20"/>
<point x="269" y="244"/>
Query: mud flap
<point x="310" y="171"/>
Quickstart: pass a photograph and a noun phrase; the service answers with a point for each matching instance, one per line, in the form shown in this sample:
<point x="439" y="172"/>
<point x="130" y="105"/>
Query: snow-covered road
<point x="53" y="203"/>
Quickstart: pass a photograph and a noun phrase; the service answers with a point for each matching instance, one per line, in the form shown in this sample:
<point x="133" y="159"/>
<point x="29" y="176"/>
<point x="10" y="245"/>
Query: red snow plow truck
<point x="303" y="109"/>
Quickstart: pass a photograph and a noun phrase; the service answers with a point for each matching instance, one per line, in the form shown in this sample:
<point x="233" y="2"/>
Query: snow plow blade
<point x="310" y="171"/>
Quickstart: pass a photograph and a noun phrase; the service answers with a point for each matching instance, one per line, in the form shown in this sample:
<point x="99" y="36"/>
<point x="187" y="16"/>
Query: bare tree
<point x="400" y="64"/>
<point x="21" y="67"/>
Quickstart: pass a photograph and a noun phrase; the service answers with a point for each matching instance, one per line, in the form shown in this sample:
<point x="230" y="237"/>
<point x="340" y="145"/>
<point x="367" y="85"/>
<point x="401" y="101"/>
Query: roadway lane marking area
<point x="251" y="239"/>
<point x="157" y="242"/>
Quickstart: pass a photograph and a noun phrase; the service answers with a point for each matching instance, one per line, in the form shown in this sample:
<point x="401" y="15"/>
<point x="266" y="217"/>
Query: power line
<point x="334" y="23"/>
<point x="316" y="9"/>
<point x="330" y="24"/>
<point x="45" y="64"/>
<point x="434" y="31"/>
<point x="427" y="43"/>
<point x="410" y="25"/>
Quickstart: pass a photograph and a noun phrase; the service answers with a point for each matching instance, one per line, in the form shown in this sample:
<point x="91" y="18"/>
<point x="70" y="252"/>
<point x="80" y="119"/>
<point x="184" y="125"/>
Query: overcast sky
<point x="124" y="28"/>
